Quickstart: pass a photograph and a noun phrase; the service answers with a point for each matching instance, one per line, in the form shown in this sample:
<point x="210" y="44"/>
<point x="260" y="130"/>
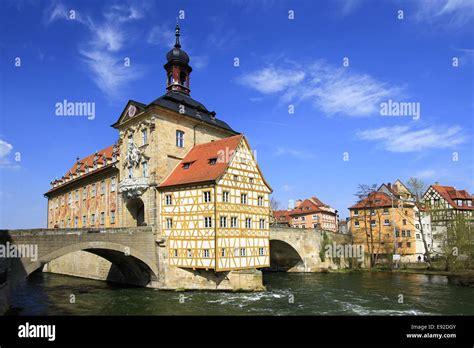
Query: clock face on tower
<point x="132" y="110"/>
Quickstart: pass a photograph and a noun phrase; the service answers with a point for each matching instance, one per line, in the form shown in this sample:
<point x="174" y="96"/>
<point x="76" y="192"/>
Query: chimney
<point x="298" y="203"/>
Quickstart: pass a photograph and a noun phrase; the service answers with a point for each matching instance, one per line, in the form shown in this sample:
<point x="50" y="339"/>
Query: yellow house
<point x="380" y="219"/>
<point x="215" y="208"/>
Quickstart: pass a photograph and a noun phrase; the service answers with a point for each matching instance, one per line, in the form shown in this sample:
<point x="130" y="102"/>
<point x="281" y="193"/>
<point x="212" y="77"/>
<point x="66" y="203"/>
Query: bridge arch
<point x="136" y="268"/>
<point x="285" y="256"/>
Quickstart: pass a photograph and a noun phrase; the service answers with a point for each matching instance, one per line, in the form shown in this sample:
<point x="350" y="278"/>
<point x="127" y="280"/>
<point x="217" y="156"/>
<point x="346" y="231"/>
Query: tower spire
<point x="177" y="44"/>
<point x="177" y="67"/>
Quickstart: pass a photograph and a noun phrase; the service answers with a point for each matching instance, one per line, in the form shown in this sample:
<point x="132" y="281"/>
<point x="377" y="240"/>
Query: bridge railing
<point x="63" y="231"/>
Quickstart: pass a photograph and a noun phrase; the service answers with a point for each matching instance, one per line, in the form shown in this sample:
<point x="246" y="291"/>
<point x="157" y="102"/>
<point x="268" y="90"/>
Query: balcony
<point x="133" y="187"/>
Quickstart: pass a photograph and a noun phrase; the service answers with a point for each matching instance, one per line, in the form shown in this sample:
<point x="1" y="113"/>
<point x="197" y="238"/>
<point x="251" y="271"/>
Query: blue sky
<point x="283" y="62"/>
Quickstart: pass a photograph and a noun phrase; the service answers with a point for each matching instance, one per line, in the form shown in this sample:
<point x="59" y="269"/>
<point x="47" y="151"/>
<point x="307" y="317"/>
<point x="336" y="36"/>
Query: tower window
<point x="182" y="79"/>
<point x="179" y="138"/>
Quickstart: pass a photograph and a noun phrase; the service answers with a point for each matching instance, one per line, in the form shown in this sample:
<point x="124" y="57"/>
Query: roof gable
<point x="197" y="166"/>
<point x="244" y="147"/>
<point x="450" y="194"/>
<point x="128" y="112"/>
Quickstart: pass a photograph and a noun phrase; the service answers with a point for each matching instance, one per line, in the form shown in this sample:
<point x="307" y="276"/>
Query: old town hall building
<point x="176" y="167"/>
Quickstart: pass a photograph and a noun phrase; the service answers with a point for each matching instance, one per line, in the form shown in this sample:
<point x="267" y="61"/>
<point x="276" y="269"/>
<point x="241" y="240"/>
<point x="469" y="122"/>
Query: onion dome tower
<point x="177" y="68"/>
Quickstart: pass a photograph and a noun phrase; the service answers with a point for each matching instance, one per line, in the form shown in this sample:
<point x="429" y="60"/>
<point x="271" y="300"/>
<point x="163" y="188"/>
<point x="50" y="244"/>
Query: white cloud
<point x="123" y="13"/>
<point x="5" y="149"/>
<point x="108" y="71"/>
<point x="272" y="80"/>
<point x="301" y="154"/>
<point x="58" y="11"/>
<point x="161" y="35"/>
<point x="348" y="6"/>
<point x="101" y="51"/>
<point x="333" y="90"/>
<point x="406" y="139"/>
<point x="448" y="13"/>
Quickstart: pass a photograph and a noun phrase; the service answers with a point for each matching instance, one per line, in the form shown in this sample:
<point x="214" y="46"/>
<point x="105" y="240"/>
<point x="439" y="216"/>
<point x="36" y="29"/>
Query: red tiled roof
<point x="316" y="201"/>
<point x="282" y="215"/>
<point x="83" y="164"/>
<point x="200" y="169"/>
<point x="450" y="194"/>
<point x="89" y="160"/>
<point x="375" y="199"/>
<point x="308" y="206"/>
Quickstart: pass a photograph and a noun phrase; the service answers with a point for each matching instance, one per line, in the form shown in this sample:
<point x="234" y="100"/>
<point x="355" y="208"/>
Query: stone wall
<point x="85" y="265"/>
<point x="303" y="250"/>
<point x="4" y="286"/>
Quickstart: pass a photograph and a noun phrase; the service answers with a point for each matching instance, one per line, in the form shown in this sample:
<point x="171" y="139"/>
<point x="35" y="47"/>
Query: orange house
<point x="310" y="213"/>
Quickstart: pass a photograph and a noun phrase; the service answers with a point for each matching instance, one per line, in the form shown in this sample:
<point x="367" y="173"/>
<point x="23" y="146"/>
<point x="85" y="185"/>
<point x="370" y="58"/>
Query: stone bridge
<point x="140" y="257"/>
<point x="298" y="250"/>
<point x="132" y="251"/>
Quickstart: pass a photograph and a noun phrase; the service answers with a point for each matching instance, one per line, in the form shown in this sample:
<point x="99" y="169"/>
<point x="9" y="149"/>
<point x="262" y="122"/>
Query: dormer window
<point x="212" y="161"/>
<point x="186" y="165"/>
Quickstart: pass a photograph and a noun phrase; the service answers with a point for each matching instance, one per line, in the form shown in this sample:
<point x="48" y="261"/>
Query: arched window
<point x="182" y="78"/>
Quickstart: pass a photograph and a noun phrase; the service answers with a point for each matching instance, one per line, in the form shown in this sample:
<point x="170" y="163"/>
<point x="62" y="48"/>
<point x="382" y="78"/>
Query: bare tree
<point x="364" y="193"/>
<point x="417" y="188"/>
<point x="274" y="204"/>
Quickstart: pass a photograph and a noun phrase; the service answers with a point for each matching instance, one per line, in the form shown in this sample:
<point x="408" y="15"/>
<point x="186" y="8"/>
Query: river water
<point x="287" y="294"/>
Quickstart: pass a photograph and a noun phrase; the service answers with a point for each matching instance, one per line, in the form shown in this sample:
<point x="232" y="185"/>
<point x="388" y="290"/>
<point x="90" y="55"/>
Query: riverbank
<point x="461" y="277"/>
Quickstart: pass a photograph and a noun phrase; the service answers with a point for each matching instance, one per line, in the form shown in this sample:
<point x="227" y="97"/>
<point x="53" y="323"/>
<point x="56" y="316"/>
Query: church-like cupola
<point x="177" y="68"/>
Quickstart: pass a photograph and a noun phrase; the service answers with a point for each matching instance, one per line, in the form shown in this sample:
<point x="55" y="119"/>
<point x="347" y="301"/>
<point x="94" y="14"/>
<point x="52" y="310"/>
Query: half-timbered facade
<point x="215" y="208"/>
<point x="445" y="205"/>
